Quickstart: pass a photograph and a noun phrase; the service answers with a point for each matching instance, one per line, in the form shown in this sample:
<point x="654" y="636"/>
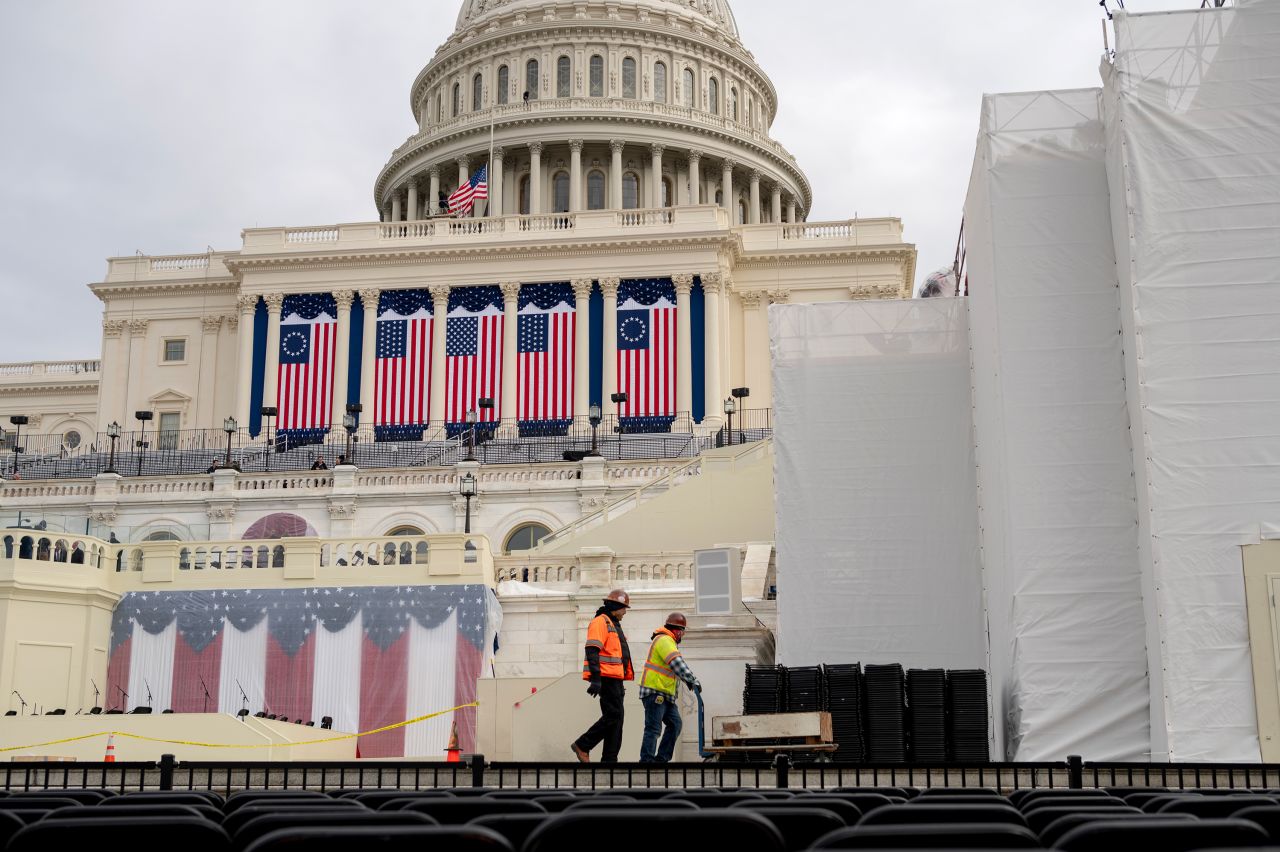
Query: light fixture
<point x="113" y="432"/>
<point x="467" y="488"/>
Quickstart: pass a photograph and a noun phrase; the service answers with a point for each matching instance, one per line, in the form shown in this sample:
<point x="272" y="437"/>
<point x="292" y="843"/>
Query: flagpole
<point x="493" y="115"/>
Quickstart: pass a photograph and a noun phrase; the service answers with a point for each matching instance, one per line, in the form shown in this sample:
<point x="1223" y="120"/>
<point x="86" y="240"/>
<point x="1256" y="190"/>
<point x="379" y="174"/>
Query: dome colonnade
<point x="595" y="105"/>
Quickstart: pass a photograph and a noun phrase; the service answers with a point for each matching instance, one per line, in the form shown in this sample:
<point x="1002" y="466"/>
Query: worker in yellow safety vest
<point x="607" y="667"/>
<point x="663" y="671"/>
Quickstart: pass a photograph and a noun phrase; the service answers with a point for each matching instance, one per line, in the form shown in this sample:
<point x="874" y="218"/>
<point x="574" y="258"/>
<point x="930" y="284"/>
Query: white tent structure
<point x="1122" y="437"/>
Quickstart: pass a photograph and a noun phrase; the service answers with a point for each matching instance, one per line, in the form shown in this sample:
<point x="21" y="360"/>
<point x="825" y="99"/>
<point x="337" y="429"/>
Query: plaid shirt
<point x="682" y="670"/>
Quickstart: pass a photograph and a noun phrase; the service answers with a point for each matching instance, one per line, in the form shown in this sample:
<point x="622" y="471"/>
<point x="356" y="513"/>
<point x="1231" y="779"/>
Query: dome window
<point x="477" y="93"/>
<point x="560" y="192"/>
<point x="630" y="191"/>
<point x="504" y="84"/>
<point x="524" y="195"/>
<point x="689" y="87"/>
<point x="660" y="82"/>
<point x="629" y="78"/>
<point x="531" y="80"/>
<point x="564" y="74"/>
<point x="733" y="102"/>
<point x="457" y="99"/>
<point x="595" y="190"/>
<point x="713" y="97"/>
<point x="597" y="76"/>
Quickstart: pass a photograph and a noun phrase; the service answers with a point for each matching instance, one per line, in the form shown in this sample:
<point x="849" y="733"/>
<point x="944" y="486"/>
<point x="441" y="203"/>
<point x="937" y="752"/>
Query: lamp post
<point x="230" y="426"/>
<point x="349" y="423"/>
<point x="741" y="394"/>
<point x="113" y="432"/>
<point x="619" y="400"/>
<point x="142" y="417"/>
<point x="269" y="411"/>
<point x="473" y="417"/>
<point x="467" y="488"/>
<point x="18" y="421"/>
<point x="730" y="406"/>
<point x="595" y="416"/>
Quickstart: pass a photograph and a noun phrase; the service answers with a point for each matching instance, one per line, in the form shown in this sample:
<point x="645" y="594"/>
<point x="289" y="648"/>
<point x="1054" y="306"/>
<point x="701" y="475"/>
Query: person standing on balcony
<point x="663" y="671"/>
<point x="607" y="668"/>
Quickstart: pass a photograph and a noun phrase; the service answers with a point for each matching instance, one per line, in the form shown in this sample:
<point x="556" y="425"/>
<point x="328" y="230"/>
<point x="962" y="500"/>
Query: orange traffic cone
<point x="111" y="749"/>
<point x="454" y="754"/>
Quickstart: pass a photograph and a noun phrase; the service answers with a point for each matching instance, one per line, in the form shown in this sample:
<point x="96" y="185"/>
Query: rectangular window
<point x="170" y="423"/>
<point x="175" y="350"/>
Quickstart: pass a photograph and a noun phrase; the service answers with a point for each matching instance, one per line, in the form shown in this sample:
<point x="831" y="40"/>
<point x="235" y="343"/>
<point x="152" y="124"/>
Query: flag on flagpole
<point x="463" y="201"/>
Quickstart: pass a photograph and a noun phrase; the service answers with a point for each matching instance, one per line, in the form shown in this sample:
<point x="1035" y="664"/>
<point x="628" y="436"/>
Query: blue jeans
<point x="655" y="717"/>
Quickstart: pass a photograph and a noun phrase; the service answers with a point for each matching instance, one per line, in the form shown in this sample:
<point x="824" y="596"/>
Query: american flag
<point x="403" y="359"/>
<point x="308" y="343"/>
<point x="546" y="347"/>
<point x="464" y="198"/>
<point x="473" y="350"/>
<point x="647" y="348"/>
<point x="368" y="656"/>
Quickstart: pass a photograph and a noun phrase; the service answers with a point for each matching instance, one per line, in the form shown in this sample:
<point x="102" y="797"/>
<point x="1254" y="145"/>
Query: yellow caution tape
<point x="334" y="739"/>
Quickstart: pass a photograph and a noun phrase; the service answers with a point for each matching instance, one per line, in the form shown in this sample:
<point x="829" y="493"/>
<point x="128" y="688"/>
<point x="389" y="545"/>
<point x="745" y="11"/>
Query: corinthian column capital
<point x="582" y="289"/>
<point x="369" y="298"/>
<point x="344" y="299"/>
<point x="275" y="302"/>
<point x="683" y="282"/>
<point x="609" y="287"/>
<point x="510" y="291"/>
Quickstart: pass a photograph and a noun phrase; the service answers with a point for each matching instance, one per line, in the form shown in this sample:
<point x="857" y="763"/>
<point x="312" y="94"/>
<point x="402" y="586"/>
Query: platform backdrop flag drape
<point x="546" y="346"/>
<point x="473" y="348"/>
<point x="647" y="348"/>
<point x="308" y="345"/>
<point x="403" y="366"/>
<point x="368" y="657"/>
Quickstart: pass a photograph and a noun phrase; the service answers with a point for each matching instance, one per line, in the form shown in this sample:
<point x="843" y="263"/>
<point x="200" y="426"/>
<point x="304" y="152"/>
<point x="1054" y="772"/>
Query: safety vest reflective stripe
<point x="594" y="643"/>
<point x="659" y="669"/>
<point x="658" y="676"/>
<point x="671" y="657"/>
<point x="605" y="659"/>
<point x="606" y="638"/>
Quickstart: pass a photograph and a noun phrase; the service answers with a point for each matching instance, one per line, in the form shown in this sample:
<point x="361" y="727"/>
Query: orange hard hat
<point x="619" y="596"/>
<point x="677" y="619"/>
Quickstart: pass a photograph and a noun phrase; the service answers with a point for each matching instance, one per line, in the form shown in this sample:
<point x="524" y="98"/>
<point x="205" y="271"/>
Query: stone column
<point x="509" y="423"/>
<point x="206" y="397"/>
<point x="440" y="308"/>
<point x="271" y="381"/>
<point x="791" y="211"/>
<point x="713" y="284"/>
<point x="433" y="199"/>
<point x="497" y="172"/>
<point x="413" y="201"/>
<point x="615" y="176"/>
<point x="137" y="360"/>
<point x="575" y="175"/>
<point x="396" y="212"/>
<point x="753" y="213"/>
<point x="726" y="187"/>
<point x="535" y="178"/>
<point x="369" y="299"/>
<point x="582" y="348"/>
<point x="755" y="345"/>
<point x="695" y="177"/>
<point x="115" y="364"/>
<point x="342" y="364"/>
<point x="776" y="204"/>
<point x="464" y="175"/>
<point x="609" y="287"/>
<point x="244" y="373"/>
<point x="656" y="169"/>
<point x="684" y="348"/>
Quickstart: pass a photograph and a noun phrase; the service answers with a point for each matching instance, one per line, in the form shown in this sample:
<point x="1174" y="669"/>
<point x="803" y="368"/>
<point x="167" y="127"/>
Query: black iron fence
<point x="193" y="452"/>
<point x="475" y="772"/>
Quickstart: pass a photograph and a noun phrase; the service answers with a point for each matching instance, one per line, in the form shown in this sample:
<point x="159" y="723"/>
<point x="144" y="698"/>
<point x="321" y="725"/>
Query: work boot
<point x="583" y="757"/>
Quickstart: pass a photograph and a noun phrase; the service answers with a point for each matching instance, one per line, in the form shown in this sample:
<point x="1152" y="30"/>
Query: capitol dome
<point x="595" y="105"/>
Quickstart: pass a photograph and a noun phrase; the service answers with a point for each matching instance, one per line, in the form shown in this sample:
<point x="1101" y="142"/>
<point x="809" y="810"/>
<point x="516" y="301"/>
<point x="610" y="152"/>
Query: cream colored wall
<point x="730" y="503"/>
<point x="1262" y="582"/>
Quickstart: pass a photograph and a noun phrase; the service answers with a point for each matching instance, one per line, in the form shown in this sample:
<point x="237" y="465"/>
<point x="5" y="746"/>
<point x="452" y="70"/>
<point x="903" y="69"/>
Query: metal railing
<point x="193" y="452"/>
<point x="475" y="772"/>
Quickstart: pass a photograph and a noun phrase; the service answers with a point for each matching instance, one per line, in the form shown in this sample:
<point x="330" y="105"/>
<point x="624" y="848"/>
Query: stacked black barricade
<point x="967" y="719"/>
<point x="886" y="713"/>
<point x="765" y="690"/>
<point x="927" y="715"/>
<point x="806" y="691"/>
<point x="845" y="704"/>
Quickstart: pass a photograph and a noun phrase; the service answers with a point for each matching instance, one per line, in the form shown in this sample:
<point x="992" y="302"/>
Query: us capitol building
<point x="616" y="282"/>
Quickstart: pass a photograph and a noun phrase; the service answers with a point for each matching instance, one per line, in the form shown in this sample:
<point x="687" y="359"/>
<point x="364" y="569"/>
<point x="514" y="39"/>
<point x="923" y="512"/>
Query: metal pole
<point x="111" y="465"/>
<point x="467" y="527"/>
<point x="142" y="445"/>
<point x="595" y="447"/>
<point x="17" y="446"/>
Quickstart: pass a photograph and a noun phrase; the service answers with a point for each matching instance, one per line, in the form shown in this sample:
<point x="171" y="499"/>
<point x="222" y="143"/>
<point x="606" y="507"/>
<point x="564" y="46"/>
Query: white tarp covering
<point x="1193" y="116"/>
<point x="877" y="522"/>
<point x="1055" y="471"/>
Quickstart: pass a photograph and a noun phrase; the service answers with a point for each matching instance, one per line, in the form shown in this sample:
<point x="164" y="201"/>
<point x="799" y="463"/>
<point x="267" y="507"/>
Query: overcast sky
<point x="166" y="126"/>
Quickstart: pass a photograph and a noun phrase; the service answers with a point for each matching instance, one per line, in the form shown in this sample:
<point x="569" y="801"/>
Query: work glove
<point x="594" y="688"/>
<point x="697" y="686"/>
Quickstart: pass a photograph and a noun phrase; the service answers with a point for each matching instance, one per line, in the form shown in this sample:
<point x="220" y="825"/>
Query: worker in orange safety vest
<point x="607" y="667"/>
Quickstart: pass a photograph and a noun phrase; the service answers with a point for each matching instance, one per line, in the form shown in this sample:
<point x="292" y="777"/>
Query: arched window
<point x="713" y="96"/>
<point x="162" y="535"/>
<point x="406" y="529"/>
<point x="719" y="197"/>
<point x="630" y="191"/>
<point x="564" y="73"/>
<point x="689" y="87"/>
<point x="629" y="78"/>
<point x="742" y="212"/>
<point x="439" y="108"/>
<point x="531" y="80"/>
<point x="504" y="84"/>
<point x="597" y="76"/>
<point x="524" y="195"/>
<point x="733" y="102"/>
<point x="477" y="93"/>
<point x="525" y="537"/>
<point x="595" y="191"/>
<point x="457" y="99"/>
<point x="660" y="82"/>
<point x="560" y="192"/>
<point x="666" y="192"/>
